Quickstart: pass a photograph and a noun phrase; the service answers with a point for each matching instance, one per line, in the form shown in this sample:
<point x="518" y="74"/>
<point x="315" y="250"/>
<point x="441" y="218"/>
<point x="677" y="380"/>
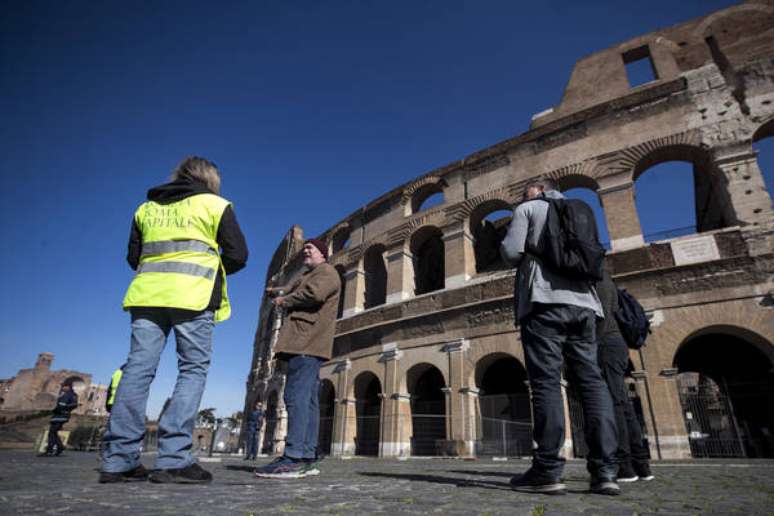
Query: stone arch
<point x="488" y="224"/>
<point x="504" y="405"/>
<point x="418" y="192"/>
<point x="375" y="269"/>
<point x="340" y="237"/>
<point x="725" y="382"/>
<point x="701" y="30"/>
<point x="426" y="386"/>
<point x="428" y="255"/>
<point x="712" y="207"/>
<point x="368" y="391"/>
<point x="327" y="414"/>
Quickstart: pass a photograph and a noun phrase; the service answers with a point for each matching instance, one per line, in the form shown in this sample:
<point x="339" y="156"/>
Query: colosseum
<point x="427" y="360"/>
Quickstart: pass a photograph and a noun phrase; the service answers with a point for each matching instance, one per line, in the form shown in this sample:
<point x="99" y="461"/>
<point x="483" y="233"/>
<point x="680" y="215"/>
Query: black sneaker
<point x="534" y="482"/>
<point x="604" y="486"/>
<point x="138" y="474"/>
<point x="643" y="472"/>
<point x="191" y="474"/>
<point x="626" y="473"/>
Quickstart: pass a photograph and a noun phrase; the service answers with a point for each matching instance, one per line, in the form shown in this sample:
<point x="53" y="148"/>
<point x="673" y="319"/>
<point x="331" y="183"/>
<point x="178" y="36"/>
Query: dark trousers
<point x="250" y="444"/>
<point x="551" y="333"/>
<point x="54" y="442"/>
<point x="613" y="359"/>
<point x="302" y="401"/>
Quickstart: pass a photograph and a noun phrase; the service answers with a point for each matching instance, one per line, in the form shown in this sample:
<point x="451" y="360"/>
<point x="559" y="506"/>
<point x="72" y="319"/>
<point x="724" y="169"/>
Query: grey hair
<point x="546" y="183"/>
<point x="200" y="170"/>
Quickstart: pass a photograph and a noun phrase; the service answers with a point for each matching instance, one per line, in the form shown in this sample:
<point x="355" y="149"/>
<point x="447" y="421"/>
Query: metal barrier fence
<point x="505" y="438"/>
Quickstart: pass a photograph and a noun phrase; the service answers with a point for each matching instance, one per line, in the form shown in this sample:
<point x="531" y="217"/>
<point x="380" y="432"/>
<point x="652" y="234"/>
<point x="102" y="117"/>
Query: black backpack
<point x="569" y="244"/>
<point x="632" y="321"/>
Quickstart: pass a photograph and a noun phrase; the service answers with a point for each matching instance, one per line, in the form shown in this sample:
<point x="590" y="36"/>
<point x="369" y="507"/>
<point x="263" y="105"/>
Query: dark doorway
<point x="429" y="267"/>
<point x="368" y="406"/>
<point x="375" y="276"/>
<point x="428" y="410"/>
<point x="271" y="423"/>
<point x="506" y="416"/>
<point x="327" y="408"/>
<point x="726" y="387"/>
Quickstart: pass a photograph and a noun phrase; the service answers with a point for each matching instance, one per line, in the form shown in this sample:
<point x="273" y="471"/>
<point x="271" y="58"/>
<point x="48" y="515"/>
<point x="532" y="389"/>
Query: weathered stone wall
<point x="712" y="95"/>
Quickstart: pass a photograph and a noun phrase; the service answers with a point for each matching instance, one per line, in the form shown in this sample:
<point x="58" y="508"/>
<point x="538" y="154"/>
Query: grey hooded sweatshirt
<point x="534" y="282"/>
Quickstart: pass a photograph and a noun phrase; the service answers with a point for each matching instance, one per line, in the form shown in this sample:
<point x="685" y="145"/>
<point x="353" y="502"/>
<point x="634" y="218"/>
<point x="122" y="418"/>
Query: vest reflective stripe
<point x="180" y="259"/>
<point x="179" y="267"/>
<point x="176" y="246"/>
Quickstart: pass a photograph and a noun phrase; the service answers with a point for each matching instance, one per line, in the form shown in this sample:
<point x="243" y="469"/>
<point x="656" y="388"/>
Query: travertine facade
<point x="38" y="388"/>
<point x="427" y="359"/>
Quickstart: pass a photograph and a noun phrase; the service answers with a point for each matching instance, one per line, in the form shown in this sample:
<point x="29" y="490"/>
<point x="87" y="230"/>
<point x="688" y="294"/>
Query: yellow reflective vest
<point x="114" y="381"/>
<point x="180" y="258"/>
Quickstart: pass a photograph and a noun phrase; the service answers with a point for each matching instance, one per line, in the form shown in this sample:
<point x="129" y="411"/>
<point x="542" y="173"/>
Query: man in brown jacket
<point x="305" y="342"/>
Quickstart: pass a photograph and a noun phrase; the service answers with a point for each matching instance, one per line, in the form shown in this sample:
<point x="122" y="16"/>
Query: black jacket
<point x="608" y="296"/>
<point x="230" y="238"/>
<point x="66" y="403"/>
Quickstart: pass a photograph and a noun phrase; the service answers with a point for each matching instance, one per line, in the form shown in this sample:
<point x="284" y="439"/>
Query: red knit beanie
<point x="319" y="244"/>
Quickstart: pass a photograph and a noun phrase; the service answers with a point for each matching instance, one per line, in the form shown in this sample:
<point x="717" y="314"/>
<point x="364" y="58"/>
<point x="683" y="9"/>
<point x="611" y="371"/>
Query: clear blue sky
<point x="310" y="109"/>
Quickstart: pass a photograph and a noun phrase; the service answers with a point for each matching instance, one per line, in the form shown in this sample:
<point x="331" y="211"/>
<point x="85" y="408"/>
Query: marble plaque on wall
<point x="695" y="250"/>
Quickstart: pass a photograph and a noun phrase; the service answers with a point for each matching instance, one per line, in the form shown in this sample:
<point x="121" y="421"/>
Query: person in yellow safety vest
<point x="185" y="239"/>
<point x="113" y="388"/>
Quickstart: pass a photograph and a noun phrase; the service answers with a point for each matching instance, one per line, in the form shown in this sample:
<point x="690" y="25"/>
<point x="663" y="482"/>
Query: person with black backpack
<point x="554" y="243"/>
<point x="623" y="327"/>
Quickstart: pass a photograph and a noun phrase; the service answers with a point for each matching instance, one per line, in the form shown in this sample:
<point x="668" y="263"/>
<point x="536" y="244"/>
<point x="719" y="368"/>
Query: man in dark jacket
<point x="613" y="358"/>
<point x="304" y="343"/>
<point x="253" y="423"/>
<point x="66" y="403"/>
<point x="184" y="241"/>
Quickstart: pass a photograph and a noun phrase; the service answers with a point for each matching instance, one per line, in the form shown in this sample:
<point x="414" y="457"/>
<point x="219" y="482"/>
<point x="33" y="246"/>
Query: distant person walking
<point x="253" y="424"/>
<point x="66" y="403"/>
<point x="557" y="316"/>
<point x="613" y="358"/>
<point x="180" y="286"/>
<point x="304" y="343"/>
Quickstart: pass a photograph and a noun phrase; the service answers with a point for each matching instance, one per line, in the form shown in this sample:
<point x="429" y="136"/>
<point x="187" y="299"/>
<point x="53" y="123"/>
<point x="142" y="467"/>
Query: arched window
<point x="375" y="276"/>
<point x="428" y="408"/>
<point x="488" y="226"/>
<point x="367" y="410"/>
<point x="428" y="251"/>
<point x="426" y="197"/>
<point x="327" y="409"/>
<point x="340" y="240"/>
<point x="763" y="142"/>
<point x="678" y="192"/>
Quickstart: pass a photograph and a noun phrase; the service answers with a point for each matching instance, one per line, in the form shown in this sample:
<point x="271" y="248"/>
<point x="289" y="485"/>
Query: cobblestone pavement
<point x="30" y="485"/>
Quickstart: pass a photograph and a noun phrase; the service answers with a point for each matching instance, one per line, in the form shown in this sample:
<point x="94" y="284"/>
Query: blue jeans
<point x="550" y="333"/>
<point x="126" y="426"/>
<point x="251" y="445"/>
<point x="302" y="401"/>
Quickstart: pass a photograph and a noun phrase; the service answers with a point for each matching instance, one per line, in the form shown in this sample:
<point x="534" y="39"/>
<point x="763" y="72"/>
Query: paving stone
<point x="30" y="485"/>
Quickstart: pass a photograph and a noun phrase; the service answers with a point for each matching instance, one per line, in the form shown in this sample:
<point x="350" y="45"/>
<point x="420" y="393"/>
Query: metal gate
<point x="709" y="420"/>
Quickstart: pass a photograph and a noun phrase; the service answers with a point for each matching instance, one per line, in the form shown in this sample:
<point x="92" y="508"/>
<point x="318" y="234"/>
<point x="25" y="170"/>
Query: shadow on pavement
<point x="231" y="467"/>
<point x="483" y="473"/>
<point x="459" y="482"/>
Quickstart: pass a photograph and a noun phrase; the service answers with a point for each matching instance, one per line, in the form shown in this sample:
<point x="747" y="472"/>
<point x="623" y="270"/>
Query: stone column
<point x="641" y="383"/>
<point x="400" y="274"/>
<point x="459" y="255"/>
<point x="747" y="194"/>
<point x="670" y="425"/>
<point x="343" y="412"/>
<point x="391" y="444"/>
<point x="470" y="422"/>
<point x="455" y="401"/>
<point x="623" y="223"/>
<point x="354" y="290"/>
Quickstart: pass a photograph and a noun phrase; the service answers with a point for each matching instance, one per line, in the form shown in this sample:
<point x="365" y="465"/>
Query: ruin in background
<point x="427" y="360"/>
